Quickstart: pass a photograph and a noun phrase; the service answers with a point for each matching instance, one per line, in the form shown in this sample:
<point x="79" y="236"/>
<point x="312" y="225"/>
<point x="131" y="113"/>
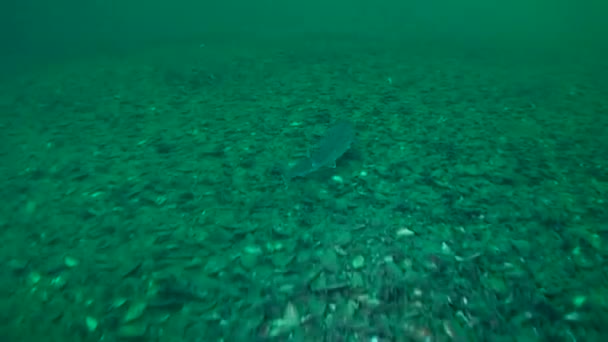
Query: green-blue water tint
<point x="142" y="199"/>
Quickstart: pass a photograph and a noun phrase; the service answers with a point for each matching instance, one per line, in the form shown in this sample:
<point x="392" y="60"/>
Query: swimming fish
<point x="336" y="141"/>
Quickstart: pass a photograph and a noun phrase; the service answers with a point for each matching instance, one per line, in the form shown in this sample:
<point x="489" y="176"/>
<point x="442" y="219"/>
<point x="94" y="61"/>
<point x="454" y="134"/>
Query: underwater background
<point x="294" y="170"/>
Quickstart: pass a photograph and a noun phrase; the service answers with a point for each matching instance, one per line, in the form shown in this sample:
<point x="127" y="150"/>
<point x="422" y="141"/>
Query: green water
<point x="144" y="148"/>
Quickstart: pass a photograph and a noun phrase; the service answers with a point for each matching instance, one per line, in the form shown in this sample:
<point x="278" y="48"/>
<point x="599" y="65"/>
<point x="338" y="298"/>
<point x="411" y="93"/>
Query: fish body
<point x="336" y="141"/>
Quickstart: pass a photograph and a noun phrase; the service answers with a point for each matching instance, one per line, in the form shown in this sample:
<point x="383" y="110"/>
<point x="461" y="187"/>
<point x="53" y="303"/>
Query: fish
<point x="336" y="141"/>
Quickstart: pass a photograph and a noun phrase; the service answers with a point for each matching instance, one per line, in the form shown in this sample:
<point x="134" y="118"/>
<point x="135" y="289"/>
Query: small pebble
<point x="118" y="302"/>
<point x="329" y="260"/>
<point x="34" y="278"/>
<point x="358" y="262"/>
<point x="91" y="323"/>
<point x="135" y="311"/>
<point x="59" y="282"/>
<point x="404" y="232"/>
<point x="250" y="256"/>
<point x="71" y="261"/>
